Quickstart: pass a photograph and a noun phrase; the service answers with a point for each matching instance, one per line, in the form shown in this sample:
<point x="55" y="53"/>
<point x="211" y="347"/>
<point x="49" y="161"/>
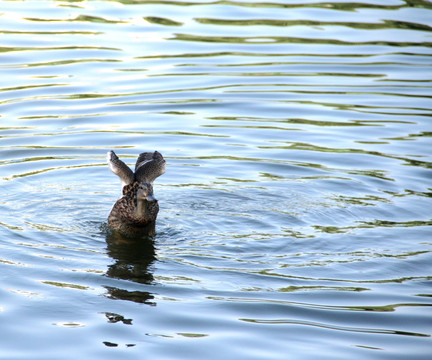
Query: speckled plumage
<point x="137" y="208"/>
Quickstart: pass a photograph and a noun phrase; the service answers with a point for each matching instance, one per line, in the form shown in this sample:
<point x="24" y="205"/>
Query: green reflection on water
<point x="162" y="21"/>
<point x="41" y="171"/>
<point x="385" y="24"/>
<point x="81" y="18"/>
<point x="322" y="288"/>
<point x="271" y="54"/>
<point x="69" y="62"/>
<point x="53" y="33"/>
<point x="342" y="6"/>
<point x="386" y="223"/>
<point x="192" y="335"/>
<point x="50" y="48"/>
<point x="65" y="285"/>
<point x="375" y="224"/>
<point x="289" y="40"/>
<point x="374" y="173"/>
<point x="287" y="120"/>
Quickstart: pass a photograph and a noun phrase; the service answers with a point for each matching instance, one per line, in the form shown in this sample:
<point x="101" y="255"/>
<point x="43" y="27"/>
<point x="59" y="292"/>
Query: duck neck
<point x="141" y="208"/>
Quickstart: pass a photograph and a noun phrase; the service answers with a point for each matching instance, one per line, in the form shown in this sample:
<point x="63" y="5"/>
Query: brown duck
<point x="137" y="208"/>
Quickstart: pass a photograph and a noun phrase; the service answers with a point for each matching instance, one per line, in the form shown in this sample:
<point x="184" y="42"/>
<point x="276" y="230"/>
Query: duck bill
<point x="151" y="198"/>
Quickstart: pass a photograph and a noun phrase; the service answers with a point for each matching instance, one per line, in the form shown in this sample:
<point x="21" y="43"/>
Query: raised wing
<point x="149" y="166"/>
<point x="119" y="168"/>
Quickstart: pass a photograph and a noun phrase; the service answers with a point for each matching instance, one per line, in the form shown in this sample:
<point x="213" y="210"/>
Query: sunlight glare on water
<point x="295" y="212"/>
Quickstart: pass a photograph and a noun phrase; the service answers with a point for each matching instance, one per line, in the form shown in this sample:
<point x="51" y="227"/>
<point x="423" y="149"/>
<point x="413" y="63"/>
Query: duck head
<point x="146" y="203"/>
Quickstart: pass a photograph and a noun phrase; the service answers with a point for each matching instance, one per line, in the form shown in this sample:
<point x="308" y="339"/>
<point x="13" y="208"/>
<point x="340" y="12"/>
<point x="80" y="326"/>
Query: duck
<point x="138" y="207"/>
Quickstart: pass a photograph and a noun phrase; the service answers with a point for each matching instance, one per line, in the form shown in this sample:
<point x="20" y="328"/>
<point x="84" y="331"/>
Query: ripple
<point x="325" y="326"/>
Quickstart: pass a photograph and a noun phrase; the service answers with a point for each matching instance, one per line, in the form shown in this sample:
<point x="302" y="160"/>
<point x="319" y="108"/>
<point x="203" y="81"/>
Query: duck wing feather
<point x="149" y="166"/>
<point x="119" y="168"/>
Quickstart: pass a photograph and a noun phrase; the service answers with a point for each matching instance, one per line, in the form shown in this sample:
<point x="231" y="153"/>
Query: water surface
<point x="296" y="208"/>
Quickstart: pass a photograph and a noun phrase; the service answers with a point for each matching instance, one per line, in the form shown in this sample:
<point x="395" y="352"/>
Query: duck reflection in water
<point x="133" y="256"/>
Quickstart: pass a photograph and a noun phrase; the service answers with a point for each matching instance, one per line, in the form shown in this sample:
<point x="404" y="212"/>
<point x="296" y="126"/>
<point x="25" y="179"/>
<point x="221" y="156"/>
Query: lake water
<point x="296" y="209"/>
